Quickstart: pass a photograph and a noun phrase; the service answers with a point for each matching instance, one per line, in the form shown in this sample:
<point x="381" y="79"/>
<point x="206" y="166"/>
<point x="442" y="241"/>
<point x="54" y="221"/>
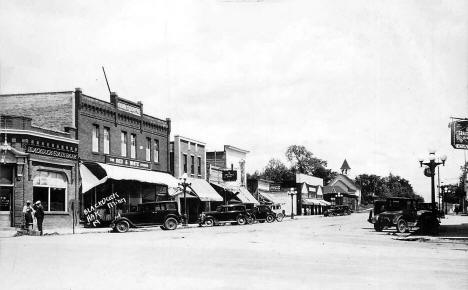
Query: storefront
<point x="109" y="190"/>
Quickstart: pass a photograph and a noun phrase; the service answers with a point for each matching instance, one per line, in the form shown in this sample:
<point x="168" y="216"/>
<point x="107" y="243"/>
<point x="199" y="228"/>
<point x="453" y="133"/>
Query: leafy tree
<point x="278" y="172"/>
<point x="303" y="161"/>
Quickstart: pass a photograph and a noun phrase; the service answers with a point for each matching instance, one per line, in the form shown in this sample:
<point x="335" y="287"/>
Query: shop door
<point x="5" y="205"/>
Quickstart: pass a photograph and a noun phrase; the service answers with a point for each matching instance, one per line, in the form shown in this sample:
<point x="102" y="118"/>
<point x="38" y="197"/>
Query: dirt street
<point x="307" y="253"/>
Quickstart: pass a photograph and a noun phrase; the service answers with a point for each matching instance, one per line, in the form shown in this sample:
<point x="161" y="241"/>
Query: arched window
<point x="51" y="189"/>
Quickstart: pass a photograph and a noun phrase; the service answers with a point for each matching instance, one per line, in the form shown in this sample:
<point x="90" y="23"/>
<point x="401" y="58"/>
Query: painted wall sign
<point x="128" y="162"/>
<point x="275" y="187"/>
<point x="132" y="109"/>
<point x="459" y="130"/>
<point x="229" y="175"/>
<point x="50" y="152"/>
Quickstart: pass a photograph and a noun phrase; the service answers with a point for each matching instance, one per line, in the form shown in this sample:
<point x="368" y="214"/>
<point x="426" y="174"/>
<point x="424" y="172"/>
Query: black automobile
<point x="233" y="213"/>
<point x="262" y="213"/>
<point x="163" y="213"/>
<point x="337" y="210"/>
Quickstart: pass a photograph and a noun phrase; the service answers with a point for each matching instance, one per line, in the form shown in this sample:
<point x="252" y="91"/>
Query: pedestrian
<point x="39" y="214"/>
<point x="28" y="212"/>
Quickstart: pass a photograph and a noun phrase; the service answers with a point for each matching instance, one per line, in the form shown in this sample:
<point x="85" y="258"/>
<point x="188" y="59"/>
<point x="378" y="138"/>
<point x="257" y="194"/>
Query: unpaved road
<point x="307" y="253"/>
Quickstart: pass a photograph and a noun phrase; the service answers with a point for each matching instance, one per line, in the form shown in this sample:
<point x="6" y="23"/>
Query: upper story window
<point x="148" y="149"/>
<point x="95" y="138"/>
<point x="156" y="151"/>
<point x="132" y="146"/>
<point x="106" y="140"/>
<point x="192" y="164"/>
<point x="123" y="144"/>
<point x="189" y="145"/>
<point x="185" y="163"/>
<point x="199" y="166"/>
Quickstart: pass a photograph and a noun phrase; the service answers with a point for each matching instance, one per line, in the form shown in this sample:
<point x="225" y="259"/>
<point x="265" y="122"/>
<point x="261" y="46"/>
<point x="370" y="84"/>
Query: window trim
<point x="156" y="150"/>
<point x="94" y="138"/>
<point x="148" y="149"/>
<point x="123" y="141"/>
<point x="106" y="129"/>
<point x="133" y="146"/>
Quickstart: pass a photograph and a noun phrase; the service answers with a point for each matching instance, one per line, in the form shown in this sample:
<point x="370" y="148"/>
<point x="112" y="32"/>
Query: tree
<point x="303" y="161"/>
<point x="277" y="171"/>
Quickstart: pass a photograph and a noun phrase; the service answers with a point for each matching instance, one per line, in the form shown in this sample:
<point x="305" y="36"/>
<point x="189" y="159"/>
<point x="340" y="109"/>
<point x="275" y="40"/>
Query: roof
<point x="188" y="139"/>
<point x="351" y="184"/>
<point x="235" y="149"/>
<point x="333" y="189"/>
<point x="345" y="165"/>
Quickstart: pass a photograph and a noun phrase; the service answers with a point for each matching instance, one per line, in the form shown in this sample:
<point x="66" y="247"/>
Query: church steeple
<point x="345" y="167"/>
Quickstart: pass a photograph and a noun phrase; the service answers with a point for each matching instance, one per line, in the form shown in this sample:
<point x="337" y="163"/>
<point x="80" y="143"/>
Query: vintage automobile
<point x="278" y="210"/>
<point x="162" y="213"/>
<point x="404" y="214"/>
<point x="232" y="213"/>
<point x="337" y="210"/>
<point x="262" y="213"/>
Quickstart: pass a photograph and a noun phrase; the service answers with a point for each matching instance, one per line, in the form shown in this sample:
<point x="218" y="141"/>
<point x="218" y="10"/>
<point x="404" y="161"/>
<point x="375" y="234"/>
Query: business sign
<point x="275" y="187"/>
<point x="459" y="129"/>
<point x="229" y="175"/>
<point x="129" y="108"/>
<point x="128" y="162"/>
<point x="50" y="152"/>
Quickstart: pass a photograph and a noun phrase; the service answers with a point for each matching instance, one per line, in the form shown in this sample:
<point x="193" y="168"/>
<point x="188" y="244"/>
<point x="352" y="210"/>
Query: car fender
<point x="171" y="215"/>
<point x="118" y="219"/>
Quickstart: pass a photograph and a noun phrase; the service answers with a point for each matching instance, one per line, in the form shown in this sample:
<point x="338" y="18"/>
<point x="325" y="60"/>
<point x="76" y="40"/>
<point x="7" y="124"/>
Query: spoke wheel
<point x="122" y="227"/>
<point x="170" y="224"/>
<point x="270" y="218"/>
<point x="402" y="226"/>
<point x="241" y="220"/>
<point x="209" y="222"/>
<point x="279" y="217"/>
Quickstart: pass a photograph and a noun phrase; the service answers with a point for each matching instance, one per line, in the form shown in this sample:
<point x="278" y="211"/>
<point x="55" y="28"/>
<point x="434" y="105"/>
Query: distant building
<point x="310" y="195"/>
<point x="342" y="190"/>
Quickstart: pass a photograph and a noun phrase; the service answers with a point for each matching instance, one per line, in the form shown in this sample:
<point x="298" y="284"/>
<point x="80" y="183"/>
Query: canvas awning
<point x="274" y="197"/>
<point x="315" y="201"/>
<point x="240" y="192"/>
<point x="203" y="190"/>
<point x="93" y="174"/>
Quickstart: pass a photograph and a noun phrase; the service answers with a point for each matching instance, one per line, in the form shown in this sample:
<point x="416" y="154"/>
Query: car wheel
<point x="377" y="227"/>
<point x="209" y="222"/>
<point x="170" y="224"/>
<point x="402" y="226"/>
<point x="279" y="217"/>
<point x="270" y="218"/>
<point x="250" y="219"/>
<point x="122" y="226"/>
<point x="241" y="220"/>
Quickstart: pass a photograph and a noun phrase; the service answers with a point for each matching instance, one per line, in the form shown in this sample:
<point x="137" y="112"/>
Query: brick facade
<point x="185" y="146"/>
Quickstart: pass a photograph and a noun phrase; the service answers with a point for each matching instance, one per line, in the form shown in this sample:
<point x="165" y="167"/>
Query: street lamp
<point x="432" y="163"/>
<point x="292" y="192"/>
<point x="184" y="185"/>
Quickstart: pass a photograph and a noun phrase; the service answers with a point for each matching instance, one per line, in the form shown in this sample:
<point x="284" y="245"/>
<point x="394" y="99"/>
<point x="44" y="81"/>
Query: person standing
<point x="39" y="214"/>
<point x="28" y="212"/>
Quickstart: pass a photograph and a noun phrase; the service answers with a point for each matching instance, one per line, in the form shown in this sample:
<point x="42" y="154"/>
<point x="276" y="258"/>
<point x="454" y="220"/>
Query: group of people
<point x="33" y="211"/>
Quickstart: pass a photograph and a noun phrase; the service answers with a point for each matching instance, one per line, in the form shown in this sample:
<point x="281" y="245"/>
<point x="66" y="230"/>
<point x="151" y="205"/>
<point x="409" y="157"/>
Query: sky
<point x="375" y="82"/>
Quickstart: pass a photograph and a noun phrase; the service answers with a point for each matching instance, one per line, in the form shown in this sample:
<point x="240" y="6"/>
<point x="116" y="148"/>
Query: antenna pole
<point x="105" y="76"/>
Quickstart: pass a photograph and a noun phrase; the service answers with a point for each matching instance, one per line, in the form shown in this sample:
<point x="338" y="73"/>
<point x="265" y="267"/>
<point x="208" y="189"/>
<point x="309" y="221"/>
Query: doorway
<point x="6" y="193"/>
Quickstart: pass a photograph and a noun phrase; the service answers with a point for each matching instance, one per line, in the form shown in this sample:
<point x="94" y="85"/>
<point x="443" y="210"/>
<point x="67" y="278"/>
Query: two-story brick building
<point x="123" y="153"/>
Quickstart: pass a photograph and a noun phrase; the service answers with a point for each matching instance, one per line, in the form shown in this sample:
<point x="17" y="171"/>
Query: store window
<point x="132" y="146"/>
<point x="95" y="138"/>
<point x="148" y="149"/>
<point x="192" y="164"/>
<point x="6" y="174"/>
<point x="106" y="140"/>
<point x="123" y="144"/>
<point x="199" y="166"/>
<point x="156" y="151"/>
<point x="51" y="189"/>
<point x="185" y="163"/>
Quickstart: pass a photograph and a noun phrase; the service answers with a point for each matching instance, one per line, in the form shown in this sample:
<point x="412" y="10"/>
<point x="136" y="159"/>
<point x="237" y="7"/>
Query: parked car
<point x="337" y="210"/>
<point x="404" y="214"/>
<point x="232" y="213"/>
<point x="163" y="213"/>
<point x="278" y="210"/>
<point x="262" y="213"/>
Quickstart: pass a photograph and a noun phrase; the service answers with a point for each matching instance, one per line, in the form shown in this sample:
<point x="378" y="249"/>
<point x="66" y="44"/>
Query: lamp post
<point x="184" y="185"/>
<point x="432" y="163"/>
<point x="292" y="192"/>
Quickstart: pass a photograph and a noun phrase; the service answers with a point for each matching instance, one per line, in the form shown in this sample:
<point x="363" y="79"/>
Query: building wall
<point x="195" y="149"/>
<point x="216" y="158"/>
<point x="53" y="111"/>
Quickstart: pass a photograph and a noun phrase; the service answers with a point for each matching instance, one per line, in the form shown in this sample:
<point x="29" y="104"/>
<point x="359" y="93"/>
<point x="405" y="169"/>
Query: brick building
<point x="37" y="163"/>
<point x="188" y="156"/>
<point x="123" y="152"/>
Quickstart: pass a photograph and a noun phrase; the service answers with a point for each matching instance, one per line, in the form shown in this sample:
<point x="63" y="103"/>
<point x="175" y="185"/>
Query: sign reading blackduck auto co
<point x="229" y="175"/>
<point x="459" y="129"/>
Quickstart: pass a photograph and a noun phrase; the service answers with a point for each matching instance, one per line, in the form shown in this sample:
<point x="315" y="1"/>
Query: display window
<point x="51" y="189"/>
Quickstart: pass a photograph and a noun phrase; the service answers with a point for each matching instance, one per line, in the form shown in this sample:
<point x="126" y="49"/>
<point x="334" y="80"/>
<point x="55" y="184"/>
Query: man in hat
<point x="39" y="214"/>
<point x="28" y="215"/>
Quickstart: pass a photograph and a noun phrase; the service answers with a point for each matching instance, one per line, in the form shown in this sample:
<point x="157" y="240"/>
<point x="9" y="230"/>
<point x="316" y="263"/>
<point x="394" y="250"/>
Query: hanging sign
<point x="229" y="175"/>
<point x="459" y="134"/>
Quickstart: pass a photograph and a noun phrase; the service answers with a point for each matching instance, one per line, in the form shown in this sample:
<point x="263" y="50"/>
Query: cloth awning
<point x="315" y="201"/>
<point x="102" y="172"/>
<point x="203" y="190"/>
<point x="240" y="192"/>
<point x="274" y="197"/>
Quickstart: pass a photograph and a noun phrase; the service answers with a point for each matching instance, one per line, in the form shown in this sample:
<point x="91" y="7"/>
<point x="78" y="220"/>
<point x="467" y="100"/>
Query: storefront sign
<point x="93" y="217"/>
<point x="50" y="152"/>
<point x="229" y="175"/>
<point x="275" y="187"/>
<point x="459" y="134"/>
<point x="132" y="109"/>
<point x="128" y="162"/>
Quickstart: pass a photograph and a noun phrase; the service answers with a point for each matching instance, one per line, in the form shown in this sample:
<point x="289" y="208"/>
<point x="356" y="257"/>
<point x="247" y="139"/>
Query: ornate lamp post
<point x="184" y="184"/>
<point x="292" y="192"/>
<point x="432" y="163"/>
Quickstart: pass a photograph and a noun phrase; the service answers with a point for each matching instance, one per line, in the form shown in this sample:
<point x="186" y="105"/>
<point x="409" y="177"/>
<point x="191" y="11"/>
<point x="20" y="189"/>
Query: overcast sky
<point x="375" y="82"/>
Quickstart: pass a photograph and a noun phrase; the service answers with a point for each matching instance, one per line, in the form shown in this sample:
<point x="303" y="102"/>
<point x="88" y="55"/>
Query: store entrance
<point x="6" y="193"/>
